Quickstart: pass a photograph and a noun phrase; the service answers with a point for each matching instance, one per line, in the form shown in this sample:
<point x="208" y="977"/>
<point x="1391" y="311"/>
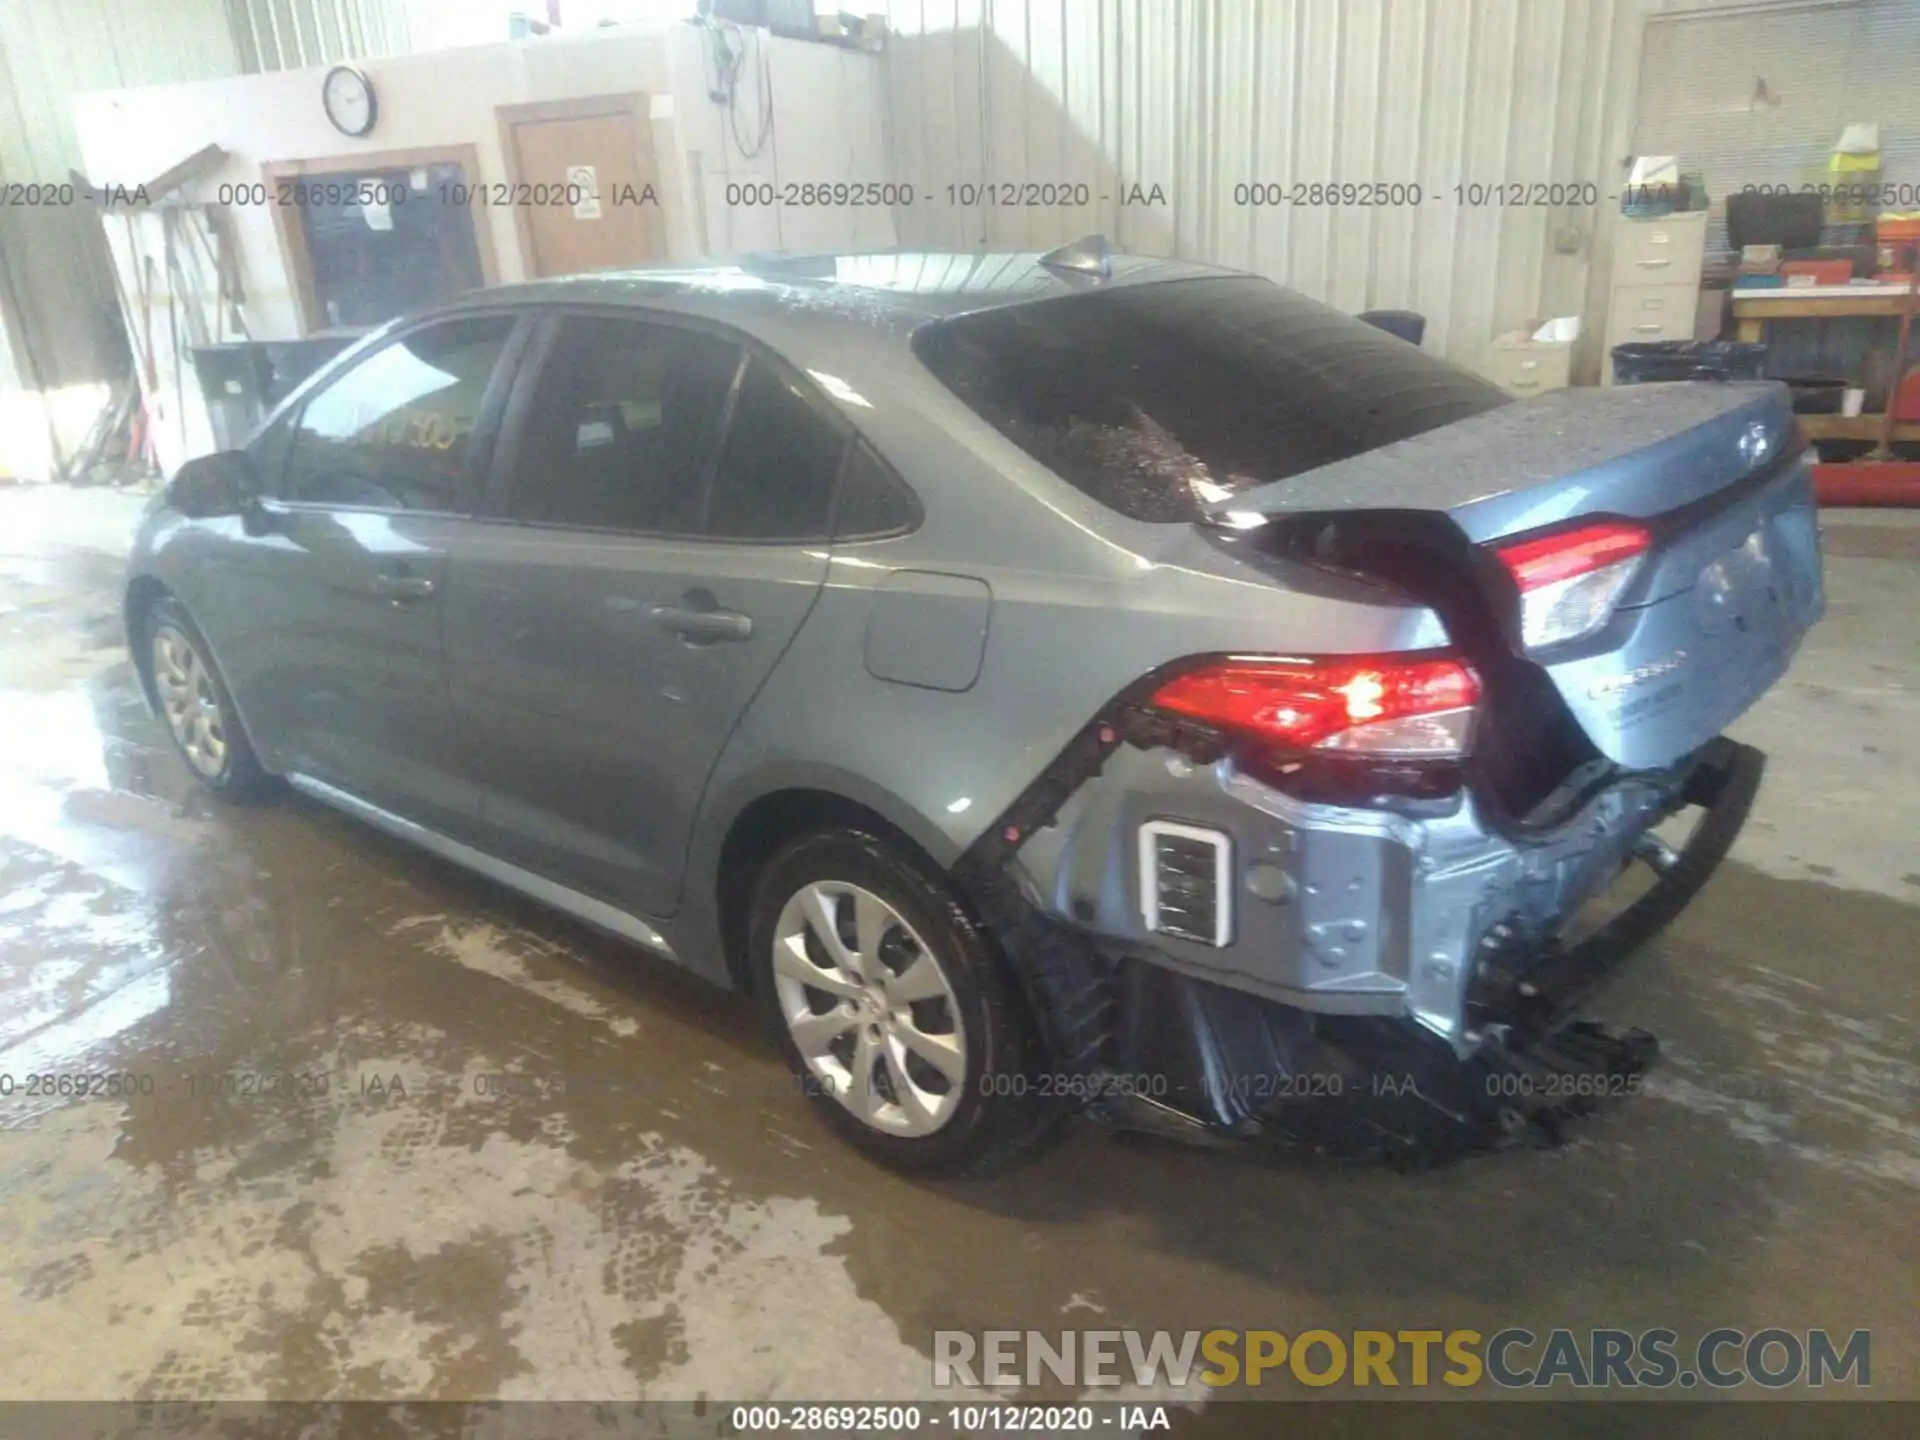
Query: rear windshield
<point x="1159" y="400"/>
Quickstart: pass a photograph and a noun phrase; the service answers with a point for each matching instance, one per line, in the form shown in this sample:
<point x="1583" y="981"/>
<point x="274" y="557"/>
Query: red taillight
<point x="1570" y="581"/>
<point x="1376" y="704"/>
<point x="1571" y="553"/>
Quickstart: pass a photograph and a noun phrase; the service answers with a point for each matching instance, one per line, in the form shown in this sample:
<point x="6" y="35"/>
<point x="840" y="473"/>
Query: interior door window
<point x="622" y="427"/>
<point x="382" y="242"/>
<point x="396" y="431"/>
<point x="777" y="470"/>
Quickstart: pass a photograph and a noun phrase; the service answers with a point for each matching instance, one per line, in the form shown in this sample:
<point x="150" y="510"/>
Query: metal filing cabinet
<point x="1656" y="280"/>
<point x="1529" y="367"/>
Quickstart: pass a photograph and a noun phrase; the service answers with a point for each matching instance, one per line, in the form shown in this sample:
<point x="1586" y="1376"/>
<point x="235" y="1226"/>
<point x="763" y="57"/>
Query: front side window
<point x="396" y="431"/>
<point x="622" y="427"/>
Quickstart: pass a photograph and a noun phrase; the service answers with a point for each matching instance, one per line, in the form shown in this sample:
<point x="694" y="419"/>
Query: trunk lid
<point x="1634" y="450"/>
<point x="1713" y="614"/>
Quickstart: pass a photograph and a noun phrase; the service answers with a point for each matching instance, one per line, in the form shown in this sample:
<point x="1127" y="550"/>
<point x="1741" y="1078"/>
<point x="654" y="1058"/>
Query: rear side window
<point x="872" y="501"/>
<point x="1159" y="400"/>
<point x="622" y="427"/>
<point x="777" y="469"/>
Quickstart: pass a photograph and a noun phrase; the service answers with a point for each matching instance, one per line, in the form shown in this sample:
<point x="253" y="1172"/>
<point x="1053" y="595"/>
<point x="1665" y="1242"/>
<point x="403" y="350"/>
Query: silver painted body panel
<point x="535" y="887"/>
<point x="590" y="725"/>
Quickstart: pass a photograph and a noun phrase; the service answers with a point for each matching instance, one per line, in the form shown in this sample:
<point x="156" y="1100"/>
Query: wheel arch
<point x="143" y="592"/>
<point x="762" y="819"/>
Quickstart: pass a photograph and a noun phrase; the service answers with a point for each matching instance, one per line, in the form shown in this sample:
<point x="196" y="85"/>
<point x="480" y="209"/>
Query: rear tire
<point x="892" y="1009"/>
<point x="197" y="708"/>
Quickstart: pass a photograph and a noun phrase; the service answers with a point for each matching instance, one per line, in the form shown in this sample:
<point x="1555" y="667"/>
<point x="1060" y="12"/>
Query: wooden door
<point x="583" y="191"/>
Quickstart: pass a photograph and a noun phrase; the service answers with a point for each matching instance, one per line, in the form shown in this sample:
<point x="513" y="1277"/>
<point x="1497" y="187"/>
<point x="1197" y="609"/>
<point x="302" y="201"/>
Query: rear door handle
<point x="705" y="626"/>
<point x="404" y="589"/>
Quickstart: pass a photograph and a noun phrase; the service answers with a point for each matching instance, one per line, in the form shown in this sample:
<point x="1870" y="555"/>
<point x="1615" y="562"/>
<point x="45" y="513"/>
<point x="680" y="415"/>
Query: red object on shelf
<point x="1906" y="404"/>
<point x="1822" y="272"/>
<point x="1868" y="482"/>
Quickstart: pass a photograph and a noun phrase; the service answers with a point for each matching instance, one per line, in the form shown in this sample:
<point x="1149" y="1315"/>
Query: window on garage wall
<point x="1758" y="95"/>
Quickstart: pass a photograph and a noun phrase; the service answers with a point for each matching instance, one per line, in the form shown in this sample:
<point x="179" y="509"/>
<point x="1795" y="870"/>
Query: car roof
<point x="882" y="288"/>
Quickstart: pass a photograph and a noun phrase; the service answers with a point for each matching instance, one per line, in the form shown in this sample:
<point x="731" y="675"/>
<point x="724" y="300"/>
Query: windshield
<point x="1159" y="400"/>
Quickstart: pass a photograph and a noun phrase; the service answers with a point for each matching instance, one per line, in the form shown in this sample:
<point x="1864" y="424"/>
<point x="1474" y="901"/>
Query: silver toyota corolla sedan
<point x="1046" y="682"/>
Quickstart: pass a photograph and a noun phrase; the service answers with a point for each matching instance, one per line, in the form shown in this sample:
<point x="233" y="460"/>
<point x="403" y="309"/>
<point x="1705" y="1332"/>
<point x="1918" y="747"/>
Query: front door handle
<point x="404" y="589"/>
<point x="702" y="626"/>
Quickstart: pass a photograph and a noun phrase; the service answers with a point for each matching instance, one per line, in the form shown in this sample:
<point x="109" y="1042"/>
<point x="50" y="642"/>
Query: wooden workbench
<point x="1753" y="308"/>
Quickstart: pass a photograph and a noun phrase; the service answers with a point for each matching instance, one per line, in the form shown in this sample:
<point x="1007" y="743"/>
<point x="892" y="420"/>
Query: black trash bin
<point x="243" y="380"/>
<point x="1642" y="362"/>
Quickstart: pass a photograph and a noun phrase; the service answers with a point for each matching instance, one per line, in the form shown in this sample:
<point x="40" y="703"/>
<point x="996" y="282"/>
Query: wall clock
<point x="348" y="97"/>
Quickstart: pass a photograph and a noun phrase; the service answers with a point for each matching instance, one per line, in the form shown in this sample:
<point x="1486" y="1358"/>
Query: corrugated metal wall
<point x="51" y="49"/>
<point x="287" y="34"/>
<point x="1200" y="96"/>
<point x="1758" y="98"/>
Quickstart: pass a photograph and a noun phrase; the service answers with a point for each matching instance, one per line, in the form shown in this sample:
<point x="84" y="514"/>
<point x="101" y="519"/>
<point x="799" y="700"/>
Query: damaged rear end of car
<point x="1340" y="897"/>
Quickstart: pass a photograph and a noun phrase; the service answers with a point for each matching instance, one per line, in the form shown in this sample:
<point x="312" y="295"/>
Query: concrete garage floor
<point x="675" y="1224"/>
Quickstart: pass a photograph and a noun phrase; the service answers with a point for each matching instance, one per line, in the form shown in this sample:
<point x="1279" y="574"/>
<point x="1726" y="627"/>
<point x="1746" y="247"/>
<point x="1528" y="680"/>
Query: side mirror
<point x="222" y="484"/>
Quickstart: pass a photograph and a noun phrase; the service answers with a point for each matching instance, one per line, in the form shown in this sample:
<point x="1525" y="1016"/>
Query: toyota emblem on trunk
<point x="1755" y="442"/>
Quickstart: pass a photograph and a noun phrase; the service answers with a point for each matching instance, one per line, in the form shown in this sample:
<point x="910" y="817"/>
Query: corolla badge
<point x="1613" y="684"/>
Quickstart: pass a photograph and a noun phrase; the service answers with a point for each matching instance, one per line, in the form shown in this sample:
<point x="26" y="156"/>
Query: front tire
<point x="197" y="708"/>
<point x="891" y="1007"/>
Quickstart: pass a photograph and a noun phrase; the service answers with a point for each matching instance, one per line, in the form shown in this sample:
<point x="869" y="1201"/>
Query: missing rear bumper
<point x="1396" y="990"/>
<point x="1186" y="1056"/>
<point x="1533" y="993"/>
<point x="1201" y="1062"/>
<point x="1205" y="1065"/>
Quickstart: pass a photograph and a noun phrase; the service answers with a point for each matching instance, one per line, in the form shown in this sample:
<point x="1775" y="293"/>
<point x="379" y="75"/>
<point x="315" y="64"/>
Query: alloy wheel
<point x="869" y="1008"/>
<point x="189" y="701"/>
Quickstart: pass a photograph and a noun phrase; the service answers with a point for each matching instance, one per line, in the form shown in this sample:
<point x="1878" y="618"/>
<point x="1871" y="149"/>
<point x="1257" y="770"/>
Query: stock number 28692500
<point x="100" y="1084"/>
<point x="1068" y="1086"/>
<point x="830" y="1419"/>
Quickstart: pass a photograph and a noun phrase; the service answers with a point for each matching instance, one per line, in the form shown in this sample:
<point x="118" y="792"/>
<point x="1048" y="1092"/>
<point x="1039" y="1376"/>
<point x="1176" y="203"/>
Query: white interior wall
<point x="828" y="125"/>
<point x="1199" y="95"/>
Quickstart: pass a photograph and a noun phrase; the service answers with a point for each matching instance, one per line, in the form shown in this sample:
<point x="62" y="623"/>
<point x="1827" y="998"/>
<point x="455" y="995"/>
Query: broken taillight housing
<point x="1570" y="581"/>
<point x="1384" y="706"/>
